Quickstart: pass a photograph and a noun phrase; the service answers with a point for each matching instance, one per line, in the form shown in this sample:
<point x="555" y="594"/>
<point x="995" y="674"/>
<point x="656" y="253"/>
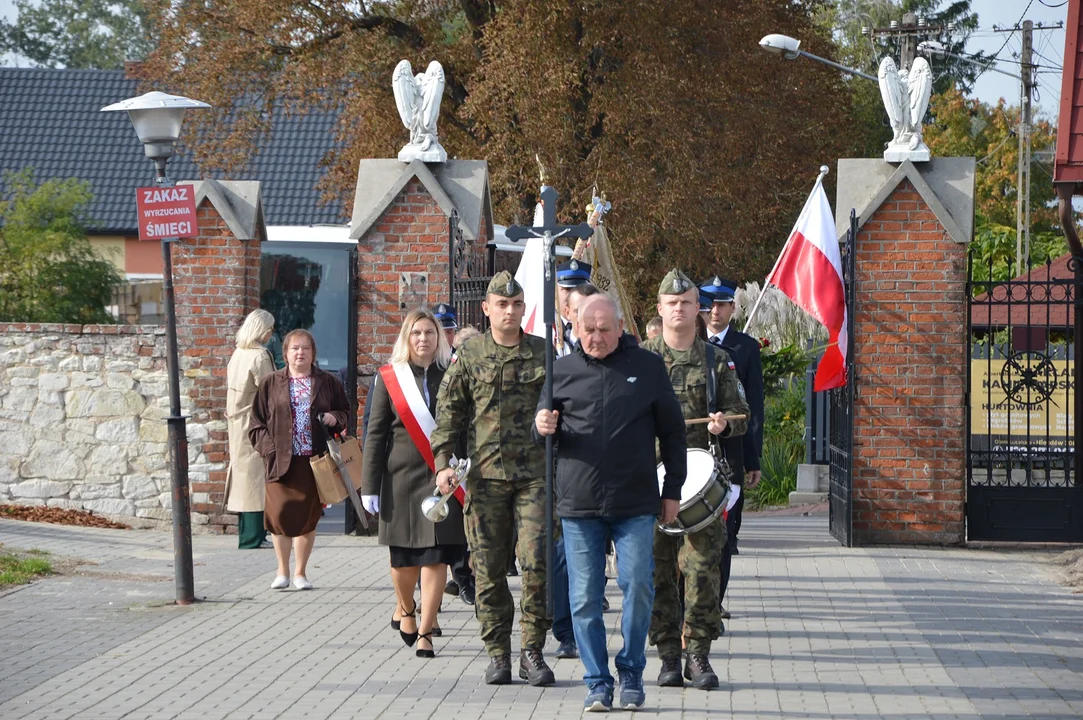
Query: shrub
<point x="783" y="446"/>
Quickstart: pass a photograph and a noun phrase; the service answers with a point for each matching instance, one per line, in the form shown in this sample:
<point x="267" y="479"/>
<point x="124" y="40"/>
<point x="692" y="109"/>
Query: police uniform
<point x="743" y="453"/>
<point x="570" y="274"/>
<point x="697" y="555"/>
<point x="489" y="394"/>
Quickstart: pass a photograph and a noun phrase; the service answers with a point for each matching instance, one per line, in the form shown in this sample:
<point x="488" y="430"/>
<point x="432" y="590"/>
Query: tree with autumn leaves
<point x="964" y="126"/>
<point x="706" y="145"/>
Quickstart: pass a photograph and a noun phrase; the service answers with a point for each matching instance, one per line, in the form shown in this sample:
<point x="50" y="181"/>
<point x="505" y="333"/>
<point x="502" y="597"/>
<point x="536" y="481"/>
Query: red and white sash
<point x="415" y="415"/>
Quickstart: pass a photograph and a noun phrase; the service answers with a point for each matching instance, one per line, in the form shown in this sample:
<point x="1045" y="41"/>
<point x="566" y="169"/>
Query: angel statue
<point x="418" y="100"/>
<point x="906" y="97"/>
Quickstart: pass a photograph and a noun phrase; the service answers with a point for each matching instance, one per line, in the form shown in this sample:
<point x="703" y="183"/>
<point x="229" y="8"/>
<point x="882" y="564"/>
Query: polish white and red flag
<point x="809" y="272"/>
<point x="530" y="276"/>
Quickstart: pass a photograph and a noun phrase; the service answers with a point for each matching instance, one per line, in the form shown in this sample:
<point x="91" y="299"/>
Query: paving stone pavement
<point x="819" y="631"/>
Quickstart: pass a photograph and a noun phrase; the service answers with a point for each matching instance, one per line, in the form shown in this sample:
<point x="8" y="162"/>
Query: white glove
<point x="735" y="493"/>
<point x="371" y="503"/>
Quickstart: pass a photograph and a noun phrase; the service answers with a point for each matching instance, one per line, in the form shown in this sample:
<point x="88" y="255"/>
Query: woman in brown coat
<point x="398" y="477"/>
<point x="285" y="430"/>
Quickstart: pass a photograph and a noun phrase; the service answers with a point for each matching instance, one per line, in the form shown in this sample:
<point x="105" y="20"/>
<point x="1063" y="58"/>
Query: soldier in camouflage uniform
<point x="695" y="555"/>
<point x="490" y="392"/>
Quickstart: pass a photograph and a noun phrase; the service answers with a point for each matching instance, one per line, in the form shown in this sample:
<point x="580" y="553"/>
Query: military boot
<point x="533" y="669"/>
<point x="670" y="675"/>
<point x="499" y="670"/>
<point x="698" y="669"/>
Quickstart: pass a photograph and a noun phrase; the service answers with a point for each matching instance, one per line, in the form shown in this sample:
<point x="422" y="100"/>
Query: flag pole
<point x="766" y="284"/>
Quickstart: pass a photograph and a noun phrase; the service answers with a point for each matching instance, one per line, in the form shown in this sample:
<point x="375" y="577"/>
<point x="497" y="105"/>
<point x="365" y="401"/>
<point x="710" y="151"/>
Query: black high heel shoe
<point x="408" y="638"/>
<point x="423" y="653"/>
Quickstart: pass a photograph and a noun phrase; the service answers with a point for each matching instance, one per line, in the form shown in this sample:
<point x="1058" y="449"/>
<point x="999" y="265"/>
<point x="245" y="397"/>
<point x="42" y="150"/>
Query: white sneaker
<point x="281" y="582"/>
<point x="301" y="583"/>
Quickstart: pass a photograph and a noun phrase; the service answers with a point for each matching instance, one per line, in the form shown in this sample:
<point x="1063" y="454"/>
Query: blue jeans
<point x="562" y="611"/>
<point x="584" y="547"/>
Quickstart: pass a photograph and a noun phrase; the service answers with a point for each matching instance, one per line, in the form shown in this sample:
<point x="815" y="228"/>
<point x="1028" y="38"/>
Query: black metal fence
<point x="470" y="275"/>
<point x="1021" y="483"/>
<point x="841" y="414"/>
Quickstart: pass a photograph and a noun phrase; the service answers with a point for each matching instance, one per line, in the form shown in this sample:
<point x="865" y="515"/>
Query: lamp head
<point x="785" y="45"/>
<point x="157" y="118"/>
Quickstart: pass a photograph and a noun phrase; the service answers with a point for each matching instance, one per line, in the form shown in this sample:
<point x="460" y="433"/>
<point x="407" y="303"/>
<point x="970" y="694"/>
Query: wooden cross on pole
<point x="549" y="232"/>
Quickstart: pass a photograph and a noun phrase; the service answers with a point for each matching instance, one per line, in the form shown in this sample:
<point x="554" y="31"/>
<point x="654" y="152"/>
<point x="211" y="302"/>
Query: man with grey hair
<point x="611" y="401"/>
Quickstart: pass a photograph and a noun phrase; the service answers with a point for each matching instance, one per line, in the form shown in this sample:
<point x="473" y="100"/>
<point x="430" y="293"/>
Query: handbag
<point x="328" y="472"/>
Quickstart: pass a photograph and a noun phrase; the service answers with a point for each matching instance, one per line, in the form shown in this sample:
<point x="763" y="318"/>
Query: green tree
<point x="964" y="126"/>
<point x="707" y="145"/>
<point x="48" y="270"/>
<point x="78" y="34"/>
<point x="845" y="19"/>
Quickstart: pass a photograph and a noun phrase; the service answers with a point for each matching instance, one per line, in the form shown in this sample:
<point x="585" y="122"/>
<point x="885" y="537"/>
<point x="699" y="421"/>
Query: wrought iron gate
<point x="1021" y="482"/>
<point x="470" y="276"/>
<point x="841" y="436"/>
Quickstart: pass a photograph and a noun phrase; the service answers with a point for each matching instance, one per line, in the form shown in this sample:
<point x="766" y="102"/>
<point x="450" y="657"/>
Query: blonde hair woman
<point x="398" y="476"/>
<point x="244" y="477"/>
<point x="290" y="404"/>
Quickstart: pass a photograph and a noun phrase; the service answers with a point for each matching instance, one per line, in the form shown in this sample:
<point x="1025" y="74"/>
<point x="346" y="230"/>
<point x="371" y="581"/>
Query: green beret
<point x="504" y="284"/>
<point x="675" y="283"/>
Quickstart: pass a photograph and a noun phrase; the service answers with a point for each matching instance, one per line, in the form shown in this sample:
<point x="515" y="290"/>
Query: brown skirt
<point x="293" y="505"/>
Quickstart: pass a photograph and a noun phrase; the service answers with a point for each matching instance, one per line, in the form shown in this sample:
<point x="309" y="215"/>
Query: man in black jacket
<point x="611" y="400"/>
<point x="743" y="453"/>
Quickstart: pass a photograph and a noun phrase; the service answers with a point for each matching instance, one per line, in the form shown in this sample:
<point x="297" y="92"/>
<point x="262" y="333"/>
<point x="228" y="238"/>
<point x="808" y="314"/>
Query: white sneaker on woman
<point x="281" y="582"/>
<point x="301" y="583"/>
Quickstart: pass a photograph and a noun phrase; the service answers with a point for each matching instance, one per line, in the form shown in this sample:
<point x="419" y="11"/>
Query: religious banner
<point x="599" y="254"/>
<point x="1024" y="401"/>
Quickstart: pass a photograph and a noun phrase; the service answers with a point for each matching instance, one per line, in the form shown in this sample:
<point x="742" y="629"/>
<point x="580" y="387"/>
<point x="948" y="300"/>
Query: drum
<point x="703" y="495"/>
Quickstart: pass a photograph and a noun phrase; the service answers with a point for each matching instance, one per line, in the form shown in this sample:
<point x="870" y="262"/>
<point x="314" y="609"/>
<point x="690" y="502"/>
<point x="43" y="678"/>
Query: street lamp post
<point x="790" y="48"/>
<point x="157" y="118"/>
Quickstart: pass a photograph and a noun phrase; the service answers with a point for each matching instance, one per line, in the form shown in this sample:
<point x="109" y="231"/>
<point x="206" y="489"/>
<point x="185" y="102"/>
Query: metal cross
<point x="549" y="232"/>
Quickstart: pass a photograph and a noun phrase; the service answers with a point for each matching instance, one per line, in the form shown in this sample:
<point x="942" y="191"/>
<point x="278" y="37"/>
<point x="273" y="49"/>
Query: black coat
<point x="744" y="452"/>
<point x="395" y="470"/>
<point x="611" y="412"/>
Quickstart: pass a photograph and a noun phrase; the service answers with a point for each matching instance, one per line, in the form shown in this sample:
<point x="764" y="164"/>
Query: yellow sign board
<point x="1021" y="402"/>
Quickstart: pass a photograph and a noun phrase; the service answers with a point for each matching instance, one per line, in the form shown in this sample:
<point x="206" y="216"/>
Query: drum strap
<point x="712" y="390"/>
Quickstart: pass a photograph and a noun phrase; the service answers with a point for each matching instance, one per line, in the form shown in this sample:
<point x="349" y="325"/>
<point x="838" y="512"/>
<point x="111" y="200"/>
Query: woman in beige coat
<point x="245" y="483"/>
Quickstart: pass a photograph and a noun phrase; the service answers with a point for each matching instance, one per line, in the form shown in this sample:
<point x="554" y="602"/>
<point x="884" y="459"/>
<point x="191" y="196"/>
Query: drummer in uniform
<point x="697" y="371"/>
<point x="489" y="394"/>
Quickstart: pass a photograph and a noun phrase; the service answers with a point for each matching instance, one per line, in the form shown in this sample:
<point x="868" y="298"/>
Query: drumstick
<point x="701" y="421"/>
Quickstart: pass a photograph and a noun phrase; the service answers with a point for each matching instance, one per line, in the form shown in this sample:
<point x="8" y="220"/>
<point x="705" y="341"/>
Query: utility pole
<point x="907" y="34"/>
<point x="1026" y="97"/>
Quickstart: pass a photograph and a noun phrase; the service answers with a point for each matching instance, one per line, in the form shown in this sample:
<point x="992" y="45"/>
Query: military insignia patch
<point x="574" y="265"/>
<point x="510" y="289"/>
<point x="678" y="285"/>
<point x="442" y="309"/>
<point x="717" y="281"/>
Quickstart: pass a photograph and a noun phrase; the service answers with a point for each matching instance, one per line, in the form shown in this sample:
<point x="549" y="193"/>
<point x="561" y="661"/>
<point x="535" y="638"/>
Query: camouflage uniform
<point x="697" y="554"/>
<point x="492" y="391"/>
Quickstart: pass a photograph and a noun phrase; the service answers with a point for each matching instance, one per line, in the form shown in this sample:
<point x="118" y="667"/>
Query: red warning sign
<point x="167" y="212"/>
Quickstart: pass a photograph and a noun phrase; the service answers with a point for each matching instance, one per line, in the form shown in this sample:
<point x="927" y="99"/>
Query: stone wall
<point x="910" y="356"/>
<point x="82" y="421"/>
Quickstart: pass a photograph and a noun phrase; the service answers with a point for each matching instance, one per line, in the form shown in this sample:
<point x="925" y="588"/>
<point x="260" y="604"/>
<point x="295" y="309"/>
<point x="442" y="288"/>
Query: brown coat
<point x="271" y="427"/>
<point x="395" y="470"/>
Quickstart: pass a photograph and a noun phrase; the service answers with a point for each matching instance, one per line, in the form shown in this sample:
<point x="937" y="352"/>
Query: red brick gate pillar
<point x="400" y="222"/>
<point x="910" y="347"/>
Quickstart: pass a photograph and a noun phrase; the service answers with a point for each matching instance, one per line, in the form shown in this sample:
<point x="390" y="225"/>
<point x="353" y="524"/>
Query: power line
<point x="1043" y="2"/>
<point x="1013" y="31"/>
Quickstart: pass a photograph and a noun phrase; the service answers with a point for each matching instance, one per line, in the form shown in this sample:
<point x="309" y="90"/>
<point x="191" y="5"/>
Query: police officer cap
<point x="504" y="284"/>
<point x="719" y="289"/>
<point x="675" y="283"/>
<point x="572" y="273"/>
<point x="445" y="315"/>
<point x="705" y="302"/>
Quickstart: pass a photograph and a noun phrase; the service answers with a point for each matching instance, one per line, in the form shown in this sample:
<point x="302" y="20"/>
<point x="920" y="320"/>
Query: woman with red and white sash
<point x="398" y="476"/>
